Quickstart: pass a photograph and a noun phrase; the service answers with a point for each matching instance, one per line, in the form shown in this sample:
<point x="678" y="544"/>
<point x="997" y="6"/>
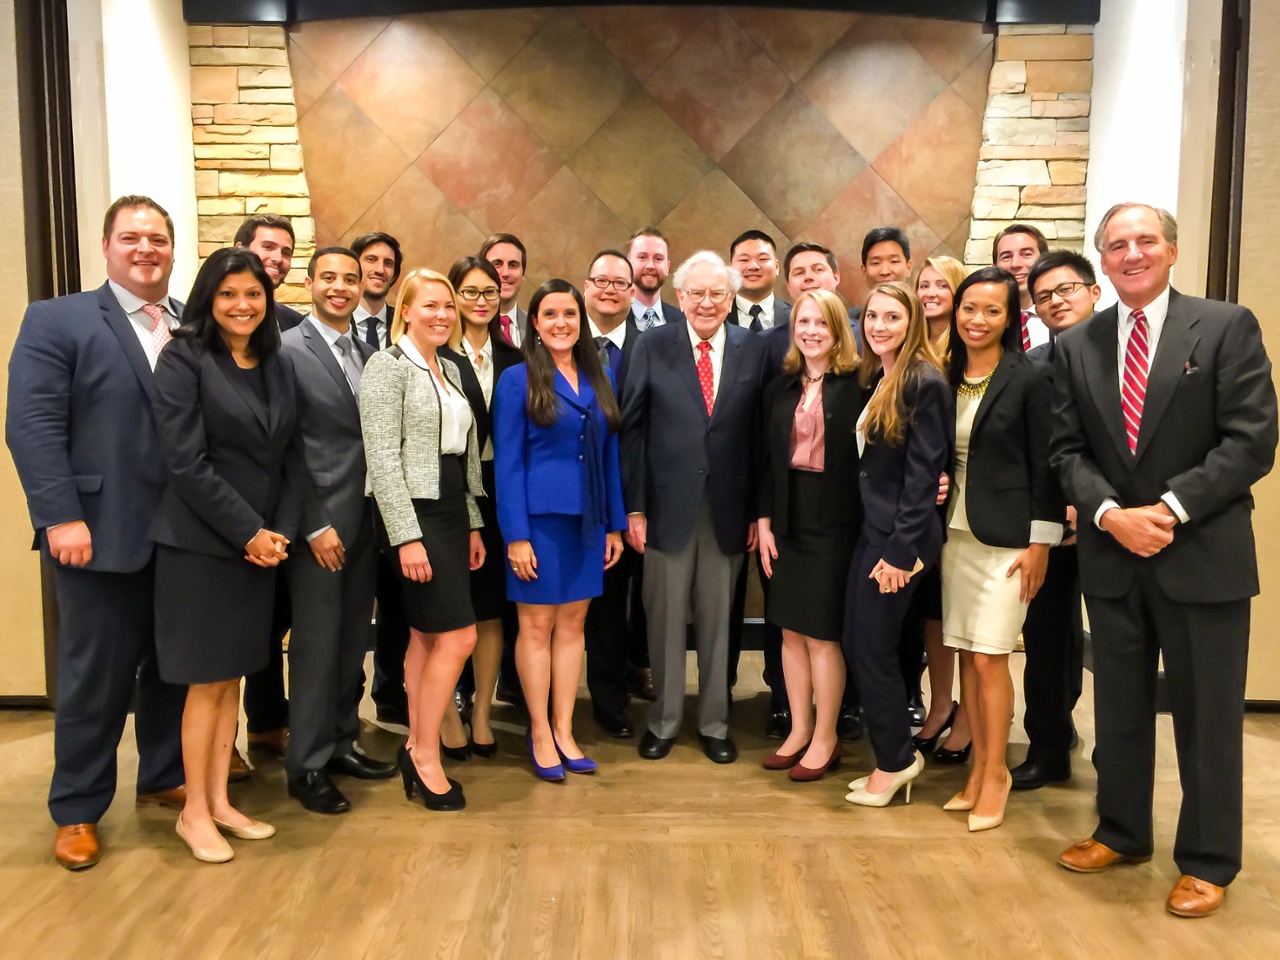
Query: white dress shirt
<point x="618" y="335"/>
<point x="141" y="323"/>
<point x="484" y="373"/>
<point x="455" y="411"/>
<point x="744" y="311"/>
<point x="1036" y="329"/>
<point x="331" y="336"/>
<point x="514" y="315"/>
<point x="717" y="341"/>
<point x="1155" y="312"/>
<point x="360" y="325"/>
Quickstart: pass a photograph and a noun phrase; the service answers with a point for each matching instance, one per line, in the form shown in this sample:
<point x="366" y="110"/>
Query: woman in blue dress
<point x="559" y="498"/>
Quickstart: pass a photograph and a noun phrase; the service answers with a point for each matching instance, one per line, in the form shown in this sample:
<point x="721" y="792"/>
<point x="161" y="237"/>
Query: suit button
<point x="579" y="458"/>
<point x="584" y="418"/>
<point x="701" y="471"/>
<point x="582" y="437"/>
<point x="264" y="478"/>
<point x="862" y="474"/>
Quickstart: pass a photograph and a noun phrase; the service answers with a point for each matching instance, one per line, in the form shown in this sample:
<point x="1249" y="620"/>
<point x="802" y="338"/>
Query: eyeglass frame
<point x="480" y="294"/>
<point x="1046" y="298"/>
<point x="603" y="283"/>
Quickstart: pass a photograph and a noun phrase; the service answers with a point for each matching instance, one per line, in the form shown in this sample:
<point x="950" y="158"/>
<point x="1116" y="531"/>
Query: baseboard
<point x="25" y="703"/>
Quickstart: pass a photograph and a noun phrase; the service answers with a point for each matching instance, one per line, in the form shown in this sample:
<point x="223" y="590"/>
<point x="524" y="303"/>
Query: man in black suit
<point x="332" y="584"/>
<point x="83" y="439"/>
<point x="270" y="236"/>
<point x="1016" y="248"/>
<point x="1165" y="416"/>
<point x="607" y="292"/>
<point x="688" y="441"/>
<point x="380" y="263"/>
<point x="510" y="258"/>
<point x="650" y="257"/>
<point x="266" y="710"/>
<point x="1066" y="292"/>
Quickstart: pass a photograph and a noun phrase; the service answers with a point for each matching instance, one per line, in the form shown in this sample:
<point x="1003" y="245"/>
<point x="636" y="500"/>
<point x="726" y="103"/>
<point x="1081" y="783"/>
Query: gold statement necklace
<point x="975" y="388"/>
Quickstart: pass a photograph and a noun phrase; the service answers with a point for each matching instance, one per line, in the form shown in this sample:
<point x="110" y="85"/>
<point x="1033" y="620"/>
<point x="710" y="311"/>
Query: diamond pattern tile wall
<point x="573" y="127"/>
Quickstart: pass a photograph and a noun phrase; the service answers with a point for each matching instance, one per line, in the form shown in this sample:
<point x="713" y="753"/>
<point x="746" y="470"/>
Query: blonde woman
<point x="424" y="471"/>
<point x="809" y="523"/>
<point x="905" y="441"/>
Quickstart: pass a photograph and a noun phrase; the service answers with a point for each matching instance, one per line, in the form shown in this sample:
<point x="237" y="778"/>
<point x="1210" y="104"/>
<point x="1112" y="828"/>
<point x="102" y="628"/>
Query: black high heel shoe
<point x="943" y="755"/>
<point x="486" y="750"/>
<point x="462" y="753"/>
<point x="926" y="744"/>
<point x="451" y="800"/>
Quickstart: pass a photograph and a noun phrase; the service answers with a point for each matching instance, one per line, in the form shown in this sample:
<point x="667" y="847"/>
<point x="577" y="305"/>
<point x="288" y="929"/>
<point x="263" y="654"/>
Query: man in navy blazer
<point x="650" y="257"/>
<point x="688" y="442"/>
<point x="1164" y="417"/>
<point x="81" y="433"/>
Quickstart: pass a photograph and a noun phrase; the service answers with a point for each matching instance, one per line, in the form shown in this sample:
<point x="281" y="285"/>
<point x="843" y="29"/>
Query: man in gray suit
<point x="688" y="407"/>
<point x="333" y="586"/>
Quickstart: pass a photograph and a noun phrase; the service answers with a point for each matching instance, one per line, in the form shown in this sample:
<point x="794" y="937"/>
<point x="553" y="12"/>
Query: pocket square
<point x="1189" y="367"/>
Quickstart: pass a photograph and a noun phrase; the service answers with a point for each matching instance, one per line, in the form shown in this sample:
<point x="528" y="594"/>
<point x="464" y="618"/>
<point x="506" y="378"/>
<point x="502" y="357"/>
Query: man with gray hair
<point x="688" y="447"/>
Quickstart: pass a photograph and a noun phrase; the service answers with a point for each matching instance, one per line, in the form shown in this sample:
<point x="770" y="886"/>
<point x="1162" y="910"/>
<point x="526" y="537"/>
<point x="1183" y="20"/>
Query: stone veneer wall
<point x="1035" y="137"/>
<point x="245" y="128"/>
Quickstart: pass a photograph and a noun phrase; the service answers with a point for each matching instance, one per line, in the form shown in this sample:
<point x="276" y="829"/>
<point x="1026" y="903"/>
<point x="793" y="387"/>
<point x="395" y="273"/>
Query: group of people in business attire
<point x="911" y="474"/>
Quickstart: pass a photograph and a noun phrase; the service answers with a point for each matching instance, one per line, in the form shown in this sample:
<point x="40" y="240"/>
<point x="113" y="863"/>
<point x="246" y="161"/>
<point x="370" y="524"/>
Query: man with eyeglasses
<point x="650" y="258"/>
<point x="1064" y="292"/>
<point x="607" y="292"/>
<point x="688" y="455"/>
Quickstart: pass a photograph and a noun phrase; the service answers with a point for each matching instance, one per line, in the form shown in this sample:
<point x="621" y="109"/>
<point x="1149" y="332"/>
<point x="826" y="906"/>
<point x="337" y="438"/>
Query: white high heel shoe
<point x="902" y="778"/>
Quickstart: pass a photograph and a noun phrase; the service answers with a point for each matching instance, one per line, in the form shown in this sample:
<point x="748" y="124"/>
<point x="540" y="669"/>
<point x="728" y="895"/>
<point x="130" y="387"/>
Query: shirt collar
<point x="330" y="335"/>
<point x="638" y="309"/>
<point x="131" y="303"/>
<point x="716" y="339"/>
<point x="363" y="314"/>
<point x="617" y="336"/>
<point x="744" y="307"/>
<point x="470" y="352"/>
<point x="1155" y="311"/>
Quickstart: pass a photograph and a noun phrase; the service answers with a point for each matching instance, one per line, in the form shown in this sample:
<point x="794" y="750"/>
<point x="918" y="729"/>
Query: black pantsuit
<point x="1052" y="635"/>
<point x="106" y="653"/>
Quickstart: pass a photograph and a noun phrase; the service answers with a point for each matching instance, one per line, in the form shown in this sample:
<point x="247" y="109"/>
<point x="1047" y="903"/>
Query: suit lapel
<point x="317" y="345"/>
<point x="579" y="400"/>
<point x="1102" y="374"/>
<point x="278" y="389"/>
<point x="729" y="367"/>
<point x="1002" y="377"/>
<point x="1177" y="341"/>
<point x="227" y="367"/>
<point x="122" y="327"/>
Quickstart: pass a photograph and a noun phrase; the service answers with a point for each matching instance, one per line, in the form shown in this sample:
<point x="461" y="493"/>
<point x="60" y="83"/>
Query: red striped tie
<point x="1134" y="391"/>
<point x="1026" y="331"/>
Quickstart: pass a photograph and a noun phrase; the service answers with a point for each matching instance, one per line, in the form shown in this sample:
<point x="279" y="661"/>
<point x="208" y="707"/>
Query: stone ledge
<point x="1074" y="194"/>
<point x="244" y="134"/>
<point x="239" y="56"/>
<point x="1068" y="151"/>
<point x="256" y="114"/>
<point x="1067" y="172"/>
<point x="1059" y="76"/>
<point x="1063" y="46"/>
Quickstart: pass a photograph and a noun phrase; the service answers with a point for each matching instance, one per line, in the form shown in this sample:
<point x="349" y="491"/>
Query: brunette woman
<point x="904" y="435"/>
<point x="224" y="404"/>
<point x="481" y="354"/>
<point x="808" y="523"/>
<point x="936" y="287"/>
<point x="559" y="493"/>
<point x="1006" y="512"/>
<point x="423" y="453"/>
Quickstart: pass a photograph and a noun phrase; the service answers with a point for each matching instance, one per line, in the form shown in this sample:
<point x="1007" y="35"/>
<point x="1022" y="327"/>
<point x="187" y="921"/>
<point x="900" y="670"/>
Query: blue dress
<point x="559" y="487"/>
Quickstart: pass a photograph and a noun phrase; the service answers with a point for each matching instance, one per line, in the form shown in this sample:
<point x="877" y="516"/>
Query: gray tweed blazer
<point x="400" y="420"/>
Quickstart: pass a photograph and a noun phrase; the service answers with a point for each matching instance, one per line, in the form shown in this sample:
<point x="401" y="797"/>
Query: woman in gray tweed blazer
<point x="424" y="473"/>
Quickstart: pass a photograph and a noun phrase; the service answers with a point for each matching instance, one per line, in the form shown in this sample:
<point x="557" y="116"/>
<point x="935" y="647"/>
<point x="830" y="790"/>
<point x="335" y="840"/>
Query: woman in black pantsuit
<point x="481" y="355"/>
<point x="905" y="436"/>
<point x="224" y="404"/>
<point x="809" y="514"/>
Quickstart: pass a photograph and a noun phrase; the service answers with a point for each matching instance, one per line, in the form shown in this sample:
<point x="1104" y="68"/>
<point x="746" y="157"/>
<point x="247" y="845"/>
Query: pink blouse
<point x="809" y="436"/>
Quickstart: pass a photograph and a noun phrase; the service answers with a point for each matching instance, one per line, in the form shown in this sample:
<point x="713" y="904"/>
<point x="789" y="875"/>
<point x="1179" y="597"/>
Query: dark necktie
<point x="371" y="332"/>
<point x="756" y="325"/>
<point x="610" y="354"/>
<point x="351" y="364"/>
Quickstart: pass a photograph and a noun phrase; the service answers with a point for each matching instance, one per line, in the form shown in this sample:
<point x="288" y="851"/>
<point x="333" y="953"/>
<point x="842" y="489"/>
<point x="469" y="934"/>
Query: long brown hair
<point x="887" y="414"/>
<point x="843" y="357"/>
<point x="542" y="403"/>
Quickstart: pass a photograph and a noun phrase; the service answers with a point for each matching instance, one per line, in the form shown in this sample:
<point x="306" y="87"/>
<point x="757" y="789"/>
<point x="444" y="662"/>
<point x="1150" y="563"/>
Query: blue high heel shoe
<point x="581" y="765"/>
<point x="551" y="773"/>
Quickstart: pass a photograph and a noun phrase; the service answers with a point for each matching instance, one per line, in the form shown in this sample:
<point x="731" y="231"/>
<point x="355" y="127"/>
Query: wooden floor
<point x="677" y="860"/>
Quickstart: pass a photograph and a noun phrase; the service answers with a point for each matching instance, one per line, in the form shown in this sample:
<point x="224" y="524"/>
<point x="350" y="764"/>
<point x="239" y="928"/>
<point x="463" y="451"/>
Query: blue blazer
<point x="80" y="428"/>
<point x="551" y="469"/>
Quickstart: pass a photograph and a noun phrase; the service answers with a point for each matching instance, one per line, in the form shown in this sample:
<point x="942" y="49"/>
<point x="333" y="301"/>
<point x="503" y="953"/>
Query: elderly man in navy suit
<point x="83" y="439"/>
<point x="688" y="442"/>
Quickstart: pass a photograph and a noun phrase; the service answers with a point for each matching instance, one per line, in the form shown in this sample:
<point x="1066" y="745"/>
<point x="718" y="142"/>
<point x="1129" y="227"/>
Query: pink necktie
<point x="506" y="328"/>
<point x="159" y="328"/>
<point x="1134" y="391"/>
<point x="1026" y="331"/>
<point x="706" y="376"/>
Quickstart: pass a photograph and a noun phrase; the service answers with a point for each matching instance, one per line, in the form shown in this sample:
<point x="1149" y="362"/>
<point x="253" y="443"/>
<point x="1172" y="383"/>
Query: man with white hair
<point x="687" y="453"/>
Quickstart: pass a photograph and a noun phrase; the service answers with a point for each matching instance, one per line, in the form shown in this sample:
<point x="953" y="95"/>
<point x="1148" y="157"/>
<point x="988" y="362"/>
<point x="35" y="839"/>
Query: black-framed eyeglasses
<point x="471" y="294"/>
<point x="1063" y="291"/>
<point x="603" y="283"/>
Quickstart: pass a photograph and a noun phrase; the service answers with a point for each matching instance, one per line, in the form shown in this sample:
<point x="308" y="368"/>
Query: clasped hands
<point x="1144" y="531"/>
<point x="267" y="548"/>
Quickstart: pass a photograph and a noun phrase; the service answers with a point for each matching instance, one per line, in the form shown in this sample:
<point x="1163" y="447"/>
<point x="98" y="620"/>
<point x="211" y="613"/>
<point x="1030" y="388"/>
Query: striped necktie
<point x="1133" y="391"/>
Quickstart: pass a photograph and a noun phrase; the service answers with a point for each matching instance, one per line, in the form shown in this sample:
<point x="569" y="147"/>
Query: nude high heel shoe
<point x="205" y="854"/>
<point x="902" y="778"/>
<point x="977" y="823"/>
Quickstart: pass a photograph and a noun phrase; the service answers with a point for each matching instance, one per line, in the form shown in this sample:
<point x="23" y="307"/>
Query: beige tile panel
<point x="488" y="40"/>
<point x="335" y="44"/>
<point x="713" y="213"/>
<point x="642" y="38"/>
<point x="947" y="46"/>
<point x="309" y="81"/>
<point x="795" y="43"/>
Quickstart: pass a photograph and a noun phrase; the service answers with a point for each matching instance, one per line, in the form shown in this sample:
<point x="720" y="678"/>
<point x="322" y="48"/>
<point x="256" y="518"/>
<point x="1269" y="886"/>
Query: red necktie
<point x="1134" y="391"/>
<point x="506" y="328"/>
<point x="159" y="328"/>
<point x="1026" y="331"/>
<point x="706" y="376"/>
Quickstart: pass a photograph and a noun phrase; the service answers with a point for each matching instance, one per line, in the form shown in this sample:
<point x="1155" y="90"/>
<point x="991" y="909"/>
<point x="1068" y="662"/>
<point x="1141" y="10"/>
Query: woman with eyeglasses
<point x="481" y="355"/>
<point x="559" y="499"/>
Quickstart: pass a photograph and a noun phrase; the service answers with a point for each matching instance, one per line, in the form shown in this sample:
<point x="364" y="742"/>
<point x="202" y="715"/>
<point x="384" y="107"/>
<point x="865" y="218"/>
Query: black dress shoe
<point x="315" y="791"/>
<point x="779" y="725"/>
<point x="394" y="715"/>
<point x="719" y="750"/>
<point x="916" y="711"/>
<point x="354" y="764"/>
<point x="617" y="725"/>
<point x="849" y="725"/>
<point x="653" y="747"/>
<point x="1032" y="775"/>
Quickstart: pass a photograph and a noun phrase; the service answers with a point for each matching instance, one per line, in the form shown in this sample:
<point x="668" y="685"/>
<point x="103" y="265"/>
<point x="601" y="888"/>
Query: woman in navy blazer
<point x="905" y="436"/>
<point x="559" y="496"/>
<point x="225" y="411"/>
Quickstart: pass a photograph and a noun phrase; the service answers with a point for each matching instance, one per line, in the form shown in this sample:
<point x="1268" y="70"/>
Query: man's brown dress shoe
<point x="76" y="846"/>
<point x="640" y="683"/>
<point x="1194" y="898"/>
<point x="272" y="741"/>
<point x="1090" y="856"/>
<point x="174" y="799"/>
<point x="239" y="768"/>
